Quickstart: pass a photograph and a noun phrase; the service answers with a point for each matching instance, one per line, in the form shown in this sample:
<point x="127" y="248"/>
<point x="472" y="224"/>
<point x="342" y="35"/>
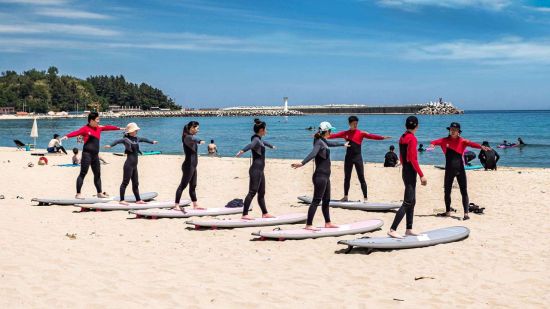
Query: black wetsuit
<point x="409" y="161"/>
<point x="390" y="159"/>
<point x="469" y="156"/>
<point x="256" y="173"/>
<point x="321" y="177"/>
<point x="489" y="159"/>
<point x="131" y="149"/>
<point x="189" y="167"/>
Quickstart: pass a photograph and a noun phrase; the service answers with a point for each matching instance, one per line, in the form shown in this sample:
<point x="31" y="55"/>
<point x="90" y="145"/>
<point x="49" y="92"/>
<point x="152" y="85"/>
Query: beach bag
<point x="235" y="203"/>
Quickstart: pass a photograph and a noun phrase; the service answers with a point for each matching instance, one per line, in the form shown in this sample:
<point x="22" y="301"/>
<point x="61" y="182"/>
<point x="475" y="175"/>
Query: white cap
<point x="131" y="127"/>
<point x="326" y="126"/>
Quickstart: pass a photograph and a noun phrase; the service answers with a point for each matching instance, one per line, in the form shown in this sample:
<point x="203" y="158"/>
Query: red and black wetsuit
<point x="354" y="157"/>
<point x="90" y="153"/>
<point x="454" y="148"/>
<point x="408" y="154"/>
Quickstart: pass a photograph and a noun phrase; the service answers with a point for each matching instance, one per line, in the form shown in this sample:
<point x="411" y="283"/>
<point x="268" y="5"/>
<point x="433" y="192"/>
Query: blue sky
<point x="479" y="54"/>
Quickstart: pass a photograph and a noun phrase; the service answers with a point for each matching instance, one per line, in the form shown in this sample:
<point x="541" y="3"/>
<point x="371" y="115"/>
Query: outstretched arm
<point x="75" y="133"/>
<point x="335" y="144"/>
<point x="312" y="154"/>
<point x="267" y="144"/>
<point x="145" y="140"/>
<point x="372" y="136"/>
<point x="338" y="135"/>
<point x="109" y="128"/>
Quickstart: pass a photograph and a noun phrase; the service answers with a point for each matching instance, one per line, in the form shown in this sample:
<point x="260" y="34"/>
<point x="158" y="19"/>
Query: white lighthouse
<point x="285" y="109"/>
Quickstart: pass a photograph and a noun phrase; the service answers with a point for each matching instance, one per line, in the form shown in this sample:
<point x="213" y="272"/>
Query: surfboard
<point x="354" y="205"/>
<point x="429" y="238"/>
<point x="151" y="153"/>
<point x="114" y="205"/>
<point x="343" y="229"/>
<point x="147" y="196"/>
<point x="190" y="212"/>
<point x="501" y="146"/>
<point x="238" y="222"/>
<point x="466" y="167"/>
<point x="67" y="165"/>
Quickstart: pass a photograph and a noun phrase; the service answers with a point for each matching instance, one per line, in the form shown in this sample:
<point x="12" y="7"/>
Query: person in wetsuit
<point x="421" y="148"/>
<point x="488" y="158"/>
<point x="520" y="142"/>
<point x="468" y="157"/>
<point x="353" y="154"/>
<point x="91" y="134"/>
<point x="189" y="166"/>
<point x="453" y="146"/>
<point x="256" y="170"/>
<point x="131" y="149"/>
<point x="409" y="160"/>
<point x="390" y="159"/>
<point x="321" y="176"/>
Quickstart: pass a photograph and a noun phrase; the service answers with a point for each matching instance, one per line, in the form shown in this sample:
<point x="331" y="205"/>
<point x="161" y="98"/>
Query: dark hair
<point x="211" y="141"/>
<point x="55" y="135"/>
<point x="352" y="119"/>
<point x="92" y="116"/>
<point x="189" y="125"/>
<point x="421" y="145"/>
<point x="258" y="125"/>
<point x="411" y="122"/>
<point x="75" y="150"/>
<point x="392" y="148"/>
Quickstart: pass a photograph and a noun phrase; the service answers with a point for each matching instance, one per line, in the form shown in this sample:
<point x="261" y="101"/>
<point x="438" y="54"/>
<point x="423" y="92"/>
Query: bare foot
<point x="394" y="234"/>
<point x="330" y="226"/>
<point x="102" y="195"/>
<point x="344" y="199"/>
<point x="79" y="196"/>
<point x="411" y="233"/>
<point x="197" y="207"/>
<point x="311" y="228"/>
<point x="141" y="202"/>
<point x="247" y="217"/>
<point x="268" y="216"/>
<point x="179" y="208"/>
<point x="123" y="203"/>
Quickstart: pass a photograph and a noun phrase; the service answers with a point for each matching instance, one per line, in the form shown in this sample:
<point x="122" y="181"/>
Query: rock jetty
<point x="440" y="108"/>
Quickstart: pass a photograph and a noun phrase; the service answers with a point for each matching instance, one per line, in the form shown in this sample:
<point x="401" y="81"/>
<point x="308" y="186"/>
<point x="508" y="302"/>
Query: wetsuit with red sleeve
<point x="90" y="153"/>
<point x="354" y="156"/>
<point x="454" y="148"/>
<point x="408" y="154"/>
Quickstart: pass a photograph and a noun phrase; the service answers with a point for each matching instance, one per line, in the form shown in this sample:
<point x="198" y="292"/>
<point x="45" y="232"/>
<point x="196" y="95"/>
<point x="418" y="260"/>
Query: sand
<point x="114" y="260"/>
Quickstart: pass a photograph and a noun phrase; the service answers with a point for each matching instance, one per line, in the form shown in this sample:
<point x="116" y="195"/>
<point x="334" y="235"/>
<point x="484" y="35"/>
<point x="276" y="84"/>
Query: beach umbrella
<point x="34" y="131"/>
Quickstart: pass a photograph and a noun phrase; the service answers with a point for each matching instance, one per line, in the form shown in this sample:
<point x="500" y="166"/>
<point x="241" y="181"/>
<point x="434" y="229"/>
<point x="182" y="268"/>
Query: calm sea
<point x="292" y="139"/>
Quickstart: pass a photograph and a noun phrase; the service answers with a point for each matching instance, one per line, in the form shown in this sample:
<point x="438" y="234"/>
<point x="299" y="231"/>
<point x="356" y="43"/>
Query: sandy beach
<point x="117" y="261"/>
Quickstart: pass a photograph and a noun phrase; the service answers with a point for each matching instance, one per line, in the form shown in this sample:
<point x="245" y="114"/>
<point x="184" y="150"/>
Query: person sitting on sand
<point x="390" y="159"/>
<point x="488" y="158"/>
<point x="212" y="148"/>
<point x="54" y="146"/>
<point x="131" y="149"/>
<point x="256" y="170"/>
<point x="321" y="176"/>
<point x="76" y="159"/>
<point x="409" y="160"/>
<point x="468" y="157"/>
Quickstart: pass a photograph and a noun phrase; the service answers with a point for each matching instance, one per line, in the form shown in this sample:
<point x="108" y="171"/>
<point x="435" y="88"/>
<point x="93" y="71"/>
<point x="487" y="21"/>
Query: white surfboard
<point x="354" y="205"/>
<point x="429" y="238"/>
<point x="147" y="196"/>
<point x="114" y="205"/>
<point x="238" y="222"/>
<point x="189" y="212"/>
<point x="343" y="229"/>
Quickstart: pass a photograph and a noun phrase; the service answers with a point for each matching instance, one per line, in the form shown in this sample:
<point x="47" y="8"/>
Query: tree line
<point x="43" y="91"/>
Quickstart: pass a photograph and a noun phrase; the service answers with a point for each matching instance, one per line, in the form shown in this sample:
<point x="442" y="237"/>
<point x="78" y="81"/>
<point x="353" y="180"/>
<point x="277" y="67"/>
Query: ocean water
<point x="293" y="141"/>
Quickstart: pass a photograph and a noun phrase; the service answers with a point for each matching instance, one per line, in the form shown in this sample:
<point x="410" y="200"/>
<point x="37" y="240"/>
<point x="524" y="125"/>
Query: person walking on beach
<point x="409" y="160"/>
<point x="90" y="134"/>
<point x="256" y="170"/>
<point x="54" y="146"/>
<point x="189" y="167"/>
<point x="353" y="156"/>
<point x="321" y="176"/>
<point x="131" y="149"/>
<point x="454" y="146"/>
<point x="212" y="148"/>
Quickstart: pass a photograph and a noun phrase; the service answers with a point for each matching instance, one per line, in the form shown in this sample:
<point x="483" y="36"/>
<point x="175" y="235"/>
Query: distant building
<point x="285" y="99"/>
<point x="7" y="110"/>
<point x="118" y="108"/>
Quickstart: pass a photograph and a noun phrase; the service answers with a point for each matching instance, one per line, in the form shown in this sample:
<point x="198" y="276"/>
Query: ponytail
<point x="258" y="125"/>
<point x="188" y="126"/>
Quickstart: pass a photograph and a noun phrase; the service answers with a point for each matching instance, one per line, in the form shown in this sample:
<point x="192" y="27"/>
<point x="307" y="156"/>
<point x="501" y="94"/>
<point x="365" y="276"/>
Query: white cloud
<point x="69" y="13"/>
<point x="36" y="2"/>
<point x="505" y="51"/>
<point x="454" y="4"/>
<point x="35" y="28"/>
<point x="538" y="8"/>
